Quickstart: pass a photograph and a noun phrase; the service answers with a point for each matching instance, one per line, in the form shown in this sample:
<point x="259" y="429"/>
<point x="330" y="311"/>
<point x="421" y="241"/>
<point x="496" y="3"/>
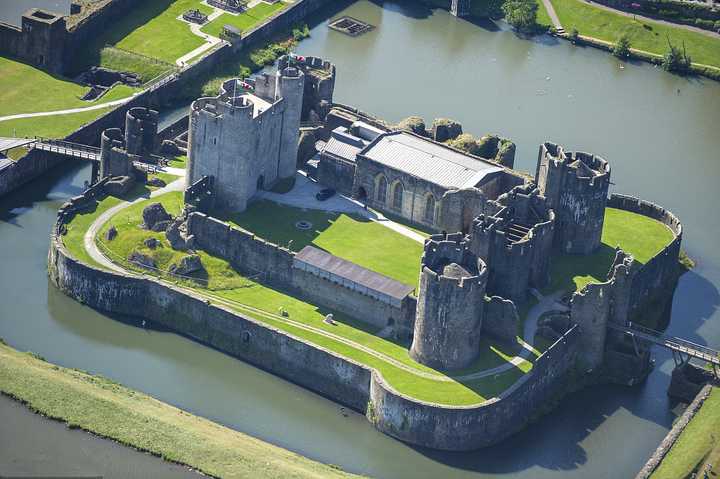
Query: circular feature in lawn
<point x="303" y="225"/>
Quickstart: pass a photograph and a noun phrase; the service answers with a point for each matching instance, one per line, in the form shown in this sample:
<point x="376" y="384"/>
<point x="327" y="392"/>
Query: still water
<point x="658" y="131"/>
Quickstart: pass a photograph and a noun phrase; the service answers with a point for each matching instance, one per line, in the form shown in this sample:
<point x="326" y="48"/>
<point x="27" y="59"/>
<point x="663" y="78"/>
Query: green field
<point x="56" y="126"/>
<point x="223" y="285"/>
<point x="245" y="21"/>
<point x="356" y="239"/>
<point x="697" y="445"/>
<point x="644" y="35"/>
<point x="29" y="90"/>
<point x="108" y="409"/>
<point x="638" y="235"/>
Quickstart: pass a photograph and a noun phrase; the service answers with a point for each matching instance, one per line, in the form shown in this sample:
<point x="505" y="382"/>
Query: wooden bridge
<point x="68" y="149"/>
<point x="678" y="346"/>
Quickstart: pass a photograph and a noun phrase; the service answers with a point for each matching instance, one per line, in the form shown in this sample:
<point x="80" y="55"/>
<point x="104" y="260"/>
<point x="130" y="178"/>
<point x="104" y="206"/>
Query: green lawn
<point x="178" y="162"/>
<point x="245" y="21"/>
<point x="356" y="239"/>
<point x="638" y="235"/>
<point x="223" y="284"/>
<point x="108" y="409"/>
<point x="698" y="443"/>
<point x="644" y="35"/>
<point x="542" y="15"/>
<point x="56" y="126"/>
<point x="29" y="90"/>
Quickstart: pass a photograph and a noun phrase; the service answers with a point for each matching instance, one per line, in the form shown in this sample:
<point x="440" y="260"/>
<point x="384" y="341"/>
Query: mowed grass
<point x="153" y="29"/>
<point x="244" y="21"/>
<point x="636" y="234"/>
<point x="178" y="162"/>
<point x="222" y="284"/>
<point x="644" y="35"/>
<point x="356" y="239"/>
<point x="26" y="89"/>
<point x="55" y="126"/>
<point x="697" y="444"/>
<point x="543" y="18"/>
<point x="108" y="409"/>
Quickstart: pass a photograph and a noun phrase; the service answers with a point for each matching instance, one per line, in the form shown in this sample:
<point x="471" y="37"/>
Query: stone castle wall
<point x="471" y="427"/>
<point x="653" y="285"/>
<point x="290" y="357"/>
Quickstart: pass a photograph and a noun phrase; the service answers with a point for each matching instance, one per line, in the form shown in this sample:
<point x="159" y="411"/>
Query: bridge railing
<point x="679" y="343"/>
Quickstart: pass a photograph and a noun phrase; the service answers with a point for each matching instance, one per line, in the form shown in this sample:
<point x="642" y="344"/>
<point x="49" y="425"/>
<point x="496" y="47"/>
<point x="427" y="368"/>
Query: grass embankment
<point x="356" y="239"/>
<point x="244" y="21"/>
<point x="223" y="285"/>
<point x="697" y="446"/>
<point x="636" y="234"/>
<point x="29" y="90"/>
<point x="178" y="162"/>
<point x="56" y="126"/>
<point x="645" y="35"/>
<point x="108" y="409"/>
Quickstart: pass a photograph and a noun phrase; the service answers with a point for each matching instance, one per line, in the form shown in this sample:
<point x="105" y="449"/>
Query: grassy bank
<point x="223" y="285"/>
<point x="636" y="234"/>
<point x="111" y="410"/>
<point x="29" y="90"/>
<point x="244" y="21"/>
<point x="698" y="445"/>
<point x="644" y="35"/>
<point x="56" y="126"/>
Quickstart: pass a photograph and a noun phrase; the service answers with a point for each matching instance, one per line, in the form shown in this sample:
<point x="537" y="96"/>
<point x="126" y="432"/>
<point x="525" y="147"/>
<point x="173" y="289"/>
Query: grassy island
<point x="99" y="405"/>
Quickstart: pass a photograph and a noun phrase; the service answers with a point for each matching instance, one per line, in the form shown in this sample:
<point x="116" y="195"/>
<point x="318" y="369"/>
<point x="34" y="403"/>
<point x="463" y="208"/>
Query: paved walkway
<point x="553" y="15"/>
<point x="545" y="304"/>
<point x="210" y="41"/>
<point x="651" y="20"/>
<point x="99" y="106"/>
<point x="303" y="196"/>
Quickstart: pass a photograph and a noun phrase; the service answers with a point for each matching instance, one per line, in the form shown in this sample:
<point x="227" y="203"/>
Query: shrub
<point x="521" y="14"/>
<point x="467" y="143"/>
<point x="414" y="124"/>
<point x="621" y="49"/>
<point x="574" y="34"/>
<point x="676" y="60"/>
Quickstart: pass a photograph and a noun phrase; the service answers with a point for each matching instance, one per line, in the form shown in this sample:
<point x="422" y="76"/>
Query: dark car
<point x="325" y="194"/>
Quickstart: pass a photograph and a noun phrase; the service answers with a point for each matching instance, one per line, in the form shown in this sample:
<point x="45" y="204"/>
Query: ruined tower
<point x="246" y="138"/>
<point x="114" y="160"/>
<point x="515" y="242"/>
<point x="319" y="84"/>
<point x="450" y="304"/>
<point x="141" y="127"/>
<point x="576" y="187"/>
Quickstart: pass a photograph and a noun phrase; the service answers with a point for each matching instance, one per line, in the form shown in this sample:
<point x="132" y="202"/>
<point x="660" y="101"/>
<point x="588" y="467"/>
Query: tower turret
<point x="114" y="160"/>
<point x="141" y="127"/>
<point x="450" y="304"/>
<point x="290" y="87"/>
<point x="576" y="187"/>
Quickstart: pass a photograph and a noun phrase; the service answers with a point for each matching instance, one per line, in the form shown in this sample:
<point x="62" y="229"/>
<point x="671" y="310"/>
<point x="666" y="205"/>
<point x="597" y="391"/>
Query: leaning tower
<point x="450" y="304"/>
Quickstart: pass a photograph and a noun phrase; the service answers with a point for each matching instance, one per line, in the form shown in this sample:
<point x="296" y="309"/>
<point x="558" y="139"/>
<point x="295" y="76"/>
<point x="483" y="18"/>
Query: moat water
<point x="658" y="131"/>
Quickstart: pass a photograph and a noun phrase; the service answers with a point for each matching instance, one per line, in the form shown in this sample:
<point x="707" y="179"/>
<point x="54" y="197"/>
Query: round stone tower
<point x="114" y="160"/>
<point x="141" y="127"/>
<point x="450" y="304"/>
<point x="290" y="87"/>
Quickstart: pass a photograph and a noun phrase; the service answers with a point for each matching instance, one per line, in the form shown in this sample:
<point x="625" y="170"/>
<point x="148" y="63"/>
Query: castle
<point x="496" y="235"/>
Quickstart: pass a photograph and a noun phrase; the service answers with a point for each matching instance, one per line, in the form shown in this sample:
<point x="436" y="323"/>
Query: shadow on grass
<point x="565" y="268"/>
<point x="121" y="28"/>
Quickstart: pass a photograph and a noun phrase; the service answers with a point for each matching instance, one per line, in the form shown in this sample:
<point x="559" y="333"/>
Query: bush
<point x="467" y="143"/>
<point x="521" y="14"/>
<point x="676" y="60"/>
<point x="414" y="124"/>
<point x="621" y="49"/>
<point x="574" y="34"/>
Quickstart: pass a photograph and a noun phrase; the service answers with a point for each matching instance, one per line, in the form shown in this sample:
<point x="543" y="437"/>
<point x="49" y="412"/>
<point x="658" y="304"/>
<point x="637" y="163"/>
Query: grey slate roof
<point x="428" y="160"/>
<point x="343" y="145"/>
<point x="354" y="273"/>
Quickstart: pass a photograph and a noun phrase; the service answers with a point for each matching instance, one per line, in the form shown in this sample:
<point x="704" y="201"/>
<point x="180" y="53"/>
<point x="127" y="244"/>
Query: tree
<point x="521" y="14"/>
<point x="676" y="60"/>
<point x="622" y="47"/>
<point x="574" y="34"/>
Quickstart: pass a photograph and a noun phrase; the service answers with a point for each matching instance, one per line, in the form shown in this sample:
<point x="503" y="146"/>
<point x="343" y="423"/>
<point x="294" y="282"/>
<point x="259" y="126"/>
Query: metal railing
<point x="671" y="342"/>
<point x="67" y="148"/>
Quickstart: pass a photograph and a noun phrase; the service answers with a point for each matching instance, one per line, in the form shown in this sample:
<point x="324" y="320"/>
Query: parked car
<point x="325" y="194"/>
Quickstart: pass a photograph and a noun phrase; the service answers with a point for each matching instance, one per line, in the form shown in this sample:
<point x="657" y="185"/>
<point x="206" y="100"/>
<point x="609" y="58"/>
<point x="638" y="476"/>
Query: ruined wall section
<point x="472" y="427"/>
<point x="40" y="40"/>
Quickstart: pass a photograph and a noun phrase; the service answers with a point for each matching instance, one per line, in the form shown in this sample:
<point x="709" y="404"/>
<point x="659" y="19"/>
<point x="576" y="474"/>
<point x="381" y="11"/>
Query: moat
<point x="660" y="138"/>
